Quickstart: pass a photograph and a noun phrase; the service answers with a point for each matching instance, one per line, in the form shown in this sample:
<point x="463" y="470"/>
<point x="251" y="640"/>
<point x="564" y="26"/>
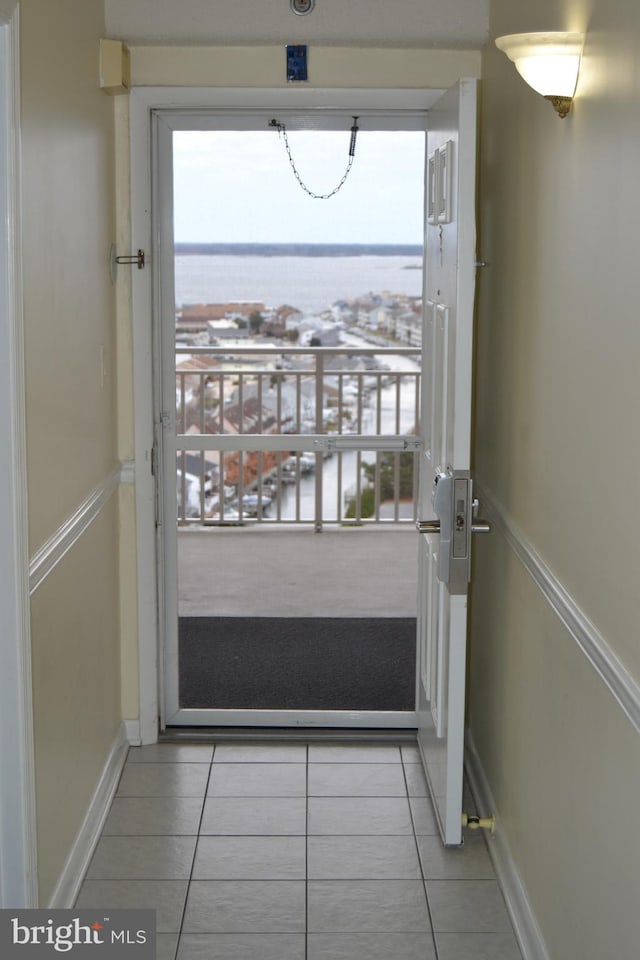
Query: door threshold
<point x="273" y="719"/>
<point x="285" y="734"/>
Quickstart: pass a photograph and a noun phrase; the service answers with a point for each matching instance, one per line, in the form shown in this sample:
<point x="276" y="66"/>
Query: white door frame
<point x="143" y="231"/>
<point x="18" y="853"/>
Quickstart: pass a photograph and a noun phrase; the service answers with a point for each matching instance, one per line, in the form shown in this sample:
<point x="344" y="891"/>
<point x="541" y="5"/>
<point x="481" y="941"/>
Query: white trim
<point x="132" y="728"/>
<point x="620" y="683"/>
<point x="18" y="844"/>
<point x="127" y="472"/>
<point x="525" y="924"/>
<point x="76" y="865"/>
<point x="375" y="101"/>
<point x="142" y="101"/>
<point x="68" y="534"/>
<point x="368" y="719"/>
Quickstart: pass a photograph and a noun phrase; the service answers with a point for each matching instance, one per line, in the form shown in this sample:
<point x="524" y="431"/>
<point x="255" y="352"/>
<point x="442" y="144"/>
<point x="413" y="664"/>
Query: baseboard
<point x="72" y="875"/>
<point x="524" y="921"/>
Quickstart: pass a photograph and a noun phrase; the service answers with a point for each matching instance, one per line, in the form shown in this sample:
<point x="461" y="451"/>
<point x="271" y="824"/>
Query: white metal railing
<point x="297" y="435"/>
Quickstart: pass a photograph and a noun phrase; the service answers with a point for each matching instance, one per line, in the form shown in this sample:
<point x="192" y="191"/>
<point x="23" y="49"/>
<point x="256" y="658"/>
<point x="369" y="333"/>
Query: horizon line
<point x="193" y="246"/>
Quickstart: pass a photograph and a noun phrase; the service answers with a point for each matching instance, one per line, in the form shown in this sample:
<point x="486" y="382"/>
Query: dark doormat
<point x="297" y="663"/>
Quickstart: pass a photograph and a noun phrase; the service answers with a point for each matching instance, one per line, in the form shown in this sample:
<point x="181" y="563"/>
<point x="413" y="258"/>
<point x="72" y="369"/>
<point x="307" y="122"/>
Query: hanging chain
<point x="280" y="127"/>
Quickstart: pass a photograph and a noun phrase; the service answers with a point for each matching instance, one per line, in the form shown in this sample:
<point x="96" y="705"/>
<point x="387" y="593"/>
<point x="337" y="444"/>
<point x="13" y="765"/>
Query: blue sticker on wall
<point x="296" y="63"/>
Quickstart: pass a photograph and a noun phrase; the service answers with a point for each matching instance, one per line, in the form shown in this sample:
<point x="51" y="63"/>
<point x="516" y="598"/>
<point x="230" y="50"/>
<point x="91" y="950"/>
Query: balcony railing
<point x="281" y="435"/>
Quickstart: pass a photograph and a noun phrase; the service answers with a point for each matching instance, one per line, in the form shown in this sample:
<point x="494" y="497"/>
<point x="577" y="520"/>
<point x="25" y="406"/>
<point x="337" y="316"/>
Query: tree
<point x="255" y="321"/>
<point x="387" y="472"/>
<point x="386" y="469"/>
<point x="367" y="505"/>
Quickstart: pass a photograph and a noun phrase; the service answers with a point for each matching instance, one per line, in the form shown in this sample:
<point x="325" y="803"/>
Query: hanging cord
<point x="280" y="127"/>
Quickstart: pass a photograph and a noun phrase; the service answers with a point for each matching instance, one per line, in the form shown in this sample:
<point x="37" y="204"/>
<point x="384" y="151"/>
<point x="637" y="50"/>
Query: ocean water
<point x="311" y="284"/>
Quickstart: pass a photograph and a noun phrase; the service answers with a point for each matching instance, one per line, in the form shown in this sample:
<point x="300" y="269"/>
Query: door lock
<point x="454" y="508"/>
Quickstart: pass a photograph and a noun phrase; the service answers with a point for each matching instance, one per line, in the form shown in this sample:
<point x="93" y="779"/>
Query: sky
<point x="238" y="186"/>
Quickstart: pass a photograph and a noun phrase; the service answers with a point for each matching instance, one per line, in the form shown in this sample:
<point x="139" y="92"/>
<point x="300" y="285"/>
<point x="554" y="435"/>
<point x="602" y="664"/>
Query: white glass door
<point x="289" y="408"/>
<point x="446" y="499"/>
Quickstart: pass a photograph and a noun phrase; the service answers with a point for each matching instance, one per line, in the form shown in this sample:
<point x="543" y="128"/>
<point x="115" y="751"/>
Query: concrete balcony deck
<point x="260" y="570"/>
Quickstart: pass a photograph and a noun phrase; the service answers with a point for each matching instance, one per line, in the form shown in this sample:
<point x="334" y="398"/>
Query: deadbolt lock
<point x="454" y="507"/>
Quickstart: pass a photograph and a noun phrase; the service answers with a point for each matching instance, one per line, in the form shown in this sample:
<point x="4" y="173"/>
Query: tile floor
<point x="294" y="852"/>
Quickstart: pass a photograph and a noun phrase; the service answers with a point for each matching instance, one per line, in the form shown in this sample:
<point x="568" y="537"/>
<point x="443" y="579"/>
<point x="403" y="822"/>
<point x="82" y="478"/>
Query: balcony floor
<point x="294" y="572"/>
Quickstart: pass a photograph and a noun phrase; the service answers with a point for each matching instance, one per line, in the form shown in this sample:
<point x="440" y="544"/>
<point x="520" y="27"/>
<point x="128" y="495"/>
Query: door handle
<point x="454" y="522"/>
<point x="433" y="526"/>
<point x="428" y="526"/>
<point x="480" y="526"/>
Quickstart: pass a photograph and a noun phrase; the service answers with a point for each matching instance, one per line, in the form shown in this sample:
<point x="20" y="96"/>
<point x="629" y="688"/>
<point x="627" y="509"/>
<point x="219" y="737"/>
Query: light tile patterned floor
<point x="294" y="852"/>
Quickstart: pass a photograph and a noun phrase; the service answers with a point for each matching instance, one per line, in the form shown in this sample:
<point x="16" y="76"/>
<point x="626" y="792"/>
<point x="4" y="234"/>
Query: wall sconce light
<point x="549" y="62"/>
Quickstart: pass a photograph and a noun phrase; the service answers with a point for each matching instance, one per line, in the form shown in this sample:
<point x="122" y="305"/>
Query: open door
<point x="446" y="501"/>
<point x="266" y="430"/>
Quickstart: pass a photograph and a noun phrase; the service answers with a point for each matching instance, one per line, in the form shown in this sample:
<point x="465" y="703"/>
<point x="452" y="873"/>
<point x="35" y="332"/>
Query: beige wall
<point x="69" y="318"/>
<point x="558" y="395"/>
<point x="265" y="66"/>
<point x="76" y="688"/>
<point x="67" y="138"/>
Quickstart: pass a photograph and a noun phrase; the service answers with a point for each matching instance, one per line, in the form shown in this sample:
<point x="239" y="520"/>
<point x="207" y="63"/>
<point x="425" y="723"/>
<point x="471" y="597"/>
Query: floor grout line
<point x="337" y="864"/>
<point x="195" y="851"/>
<point x="415" y="840"/>
<point x="306" y="864"/>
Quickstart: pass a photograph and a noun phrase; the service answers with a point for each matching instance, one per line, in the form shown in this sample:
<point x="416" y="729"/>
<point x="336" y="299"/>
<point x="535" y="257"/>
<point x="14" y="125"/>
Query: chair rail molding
<point x="63" y="539"/>
<point x="621" y="684"/>
<point x="127" y="472"/>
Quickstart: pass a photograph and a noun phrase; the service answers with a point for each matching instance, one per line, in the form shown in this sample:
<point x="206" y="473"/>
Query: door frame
<point x="145" y="296"/>
<point x="18" y="849"/>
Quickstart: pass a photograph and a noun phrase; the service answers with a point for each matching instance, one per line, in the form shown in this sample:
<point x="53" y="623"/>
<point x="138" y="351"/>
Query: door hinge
<point x="154" y="460"/>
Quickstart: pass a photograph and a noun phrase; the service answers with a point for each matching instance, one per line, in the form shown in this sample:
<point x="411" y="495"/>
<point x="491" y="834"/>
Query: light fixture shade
<point x="549" y="62"/>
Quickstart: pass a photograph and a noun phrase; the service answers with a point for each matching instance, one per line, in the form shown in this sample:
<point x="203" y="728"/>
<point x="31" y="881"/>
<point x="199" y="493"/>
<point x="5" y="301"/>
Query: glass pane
<point x="271" y="616"/>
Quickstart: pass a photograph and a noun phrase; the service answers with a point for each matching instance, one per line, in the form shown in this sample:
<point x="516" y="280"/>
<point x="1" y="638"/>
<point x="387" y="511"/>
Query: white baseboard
<point x="72" y="875"/>
<point x="524" y="922"/>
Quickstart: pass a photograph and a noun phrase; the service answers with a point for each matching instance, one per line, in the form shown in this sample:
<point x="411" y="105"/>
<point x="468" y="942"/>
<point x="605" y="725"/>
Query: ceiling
<point x="411" y="23"/>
